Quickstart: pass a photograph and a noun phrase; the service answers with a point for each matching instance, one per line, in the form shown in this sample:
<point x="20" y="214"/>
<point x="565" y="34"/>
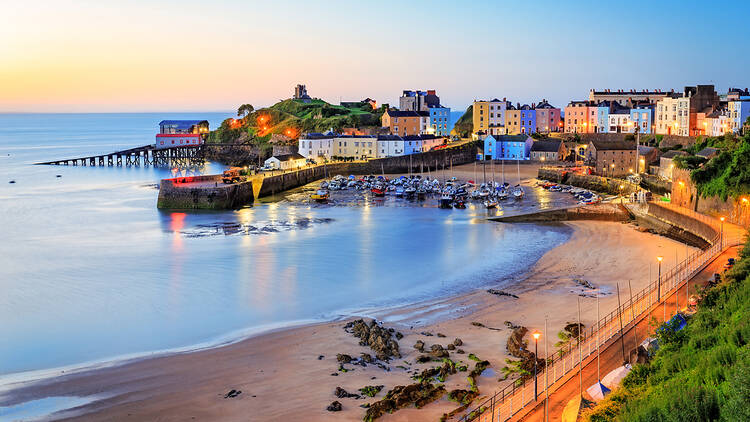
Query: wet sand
<point x="281" y="377"/>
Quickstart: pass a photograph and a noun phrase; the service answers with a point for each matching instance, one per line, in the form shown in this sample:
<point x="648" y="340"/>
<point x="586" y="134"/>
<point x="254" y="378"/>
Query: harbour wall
<point x="432" y="161"/>
<point x="591" y="182"/>
<point x="197" y="193"/>
<point x="599" y="212"/>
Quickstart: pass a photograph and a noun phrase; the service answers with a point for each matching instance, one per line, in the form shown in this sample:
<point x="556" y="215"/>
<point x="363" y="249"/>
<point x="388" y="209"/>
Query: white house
<point x="389" y="146"/>
<point x="285" y="162"/>
<point x="619" y="121"/>
<point x="316" y="145"/>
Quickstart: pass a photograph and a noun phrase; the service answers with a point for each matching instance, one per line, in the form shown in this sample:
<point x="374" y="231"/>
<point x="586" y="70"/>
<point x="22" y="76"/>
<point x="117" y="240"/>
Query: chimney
<point x="533" y="105"/>
<point x="504" y="99"/>
<point x="518" y="105"/>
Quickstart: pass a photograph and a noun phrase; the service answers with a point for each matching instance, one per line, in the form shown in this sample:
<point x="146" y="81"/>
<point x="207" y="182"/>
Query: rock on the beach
<point x="437" y="351"/>
<point x="343" y="394"/>
<point x="501" y="293"/>
<point x="379" y="339"/>
<point x="343" y="358"/>
<point x="458" y="342"/>
<point x="232" y="394"/>
<point x="419" y="345"/>
<point x="366" y="357"/>
<point x="451" y="346"/>
<point x="441" y="335"/>
<point x="334" y="407"/>
<point x="420" y="394"/>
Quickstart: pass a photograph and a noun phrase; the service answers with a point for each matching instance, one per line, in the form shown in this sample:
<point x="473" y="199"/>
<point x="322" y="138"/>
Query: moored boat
<point x="321" y="195"/>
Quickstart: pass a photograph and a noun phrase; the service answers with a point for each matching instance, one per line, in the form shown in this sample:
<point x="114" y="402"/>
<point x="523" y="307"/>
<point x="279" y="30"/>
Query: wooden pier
<point x="146" y="155"/>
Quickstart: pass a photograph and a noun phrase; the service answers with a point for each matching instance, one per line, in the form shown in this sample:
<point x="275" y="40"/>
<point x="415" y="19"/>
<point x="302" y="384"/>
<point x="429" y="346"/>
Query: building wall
<point x="528" y="121"/>
<point x="673" y="116"/>
<point x="177" y="140"/>
<point x="405" y="126"/>
<point x="548" y="120"/>
<point x="618" y="123"/>
<point x="358" y="147"/>
<point x="314" y="148"/>
<point x="623" y="97"/>
<point x="580" y="118"/>
<point x="489" y="117"/>
<point x="623" y="160"/>
<point x="643" y="118"/>
<point x="390" y="148"/>
<point x="440" y="120"/>
<point x="738" y="112"/>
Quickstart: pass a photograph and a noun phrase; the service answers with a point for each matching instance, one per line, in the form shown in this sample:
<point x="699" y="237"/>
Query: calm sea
<point x="91" y="271"/>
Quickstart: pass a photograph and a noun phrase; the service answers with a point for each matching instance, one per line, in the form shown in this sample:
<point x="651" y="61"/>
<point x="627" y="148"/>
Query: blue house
<point x="440" y="120"/>
<point x="507" y="147"/>
<point x="643" y="117"/>
<point x="528" y="119"/>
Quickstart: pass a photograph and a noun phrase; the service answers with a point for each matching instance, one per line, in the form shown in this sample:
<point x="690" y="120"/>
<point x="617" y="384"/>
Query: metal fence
<point x="510" y="400"/>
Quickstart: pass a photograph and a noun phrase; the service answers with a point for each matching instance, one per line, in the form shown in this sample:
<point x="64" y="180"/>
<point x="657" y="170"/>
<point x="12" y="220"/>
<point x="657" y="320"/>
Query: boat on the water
<point x="446" y="201"/>
<point x="518" y="192"/>
<point x="489" y="204"/>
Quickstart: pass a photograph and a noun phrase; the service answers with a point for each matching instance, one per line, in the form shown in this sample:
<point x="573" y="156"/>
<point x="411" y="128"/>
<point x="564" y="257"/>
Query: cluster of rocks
<point x="436" y="351"/>
<point x="517" y="347"/>
<point x="383" y="341"/>
<point x="418" y="394"/>
<point x="363" y="360"/>
<point x="501" y="293"/>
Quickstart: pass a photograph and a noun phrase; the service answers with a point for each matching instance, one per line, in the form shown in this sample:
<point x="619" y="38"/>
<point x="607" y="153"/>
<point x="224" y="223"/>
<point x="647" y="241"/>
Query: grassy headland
<point x="250" y="135"/>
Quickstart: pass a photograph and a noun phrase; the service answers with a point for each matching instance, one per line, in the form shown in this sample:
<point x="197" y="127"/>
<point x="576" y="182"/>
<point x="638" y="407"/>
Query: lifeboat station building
<point x="181" y="133"/>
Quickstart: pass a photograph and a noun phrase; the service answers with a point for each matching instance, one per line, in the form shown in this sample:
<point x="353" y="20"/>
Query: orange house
<point x="405" y="123"/>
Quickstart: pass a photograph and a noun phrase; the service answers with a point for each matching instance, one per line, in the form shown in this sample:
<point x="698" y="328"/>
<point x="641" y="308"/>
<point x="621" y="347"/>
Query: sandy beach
<point x="281" y="375"/>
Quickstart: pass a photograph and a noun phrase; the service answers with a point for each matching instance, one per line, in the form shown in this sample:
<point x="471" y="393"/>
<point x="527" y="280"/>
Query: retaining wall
<point x="176" y="195"/>
<point x="595" y="183"/>
<point x="599" y="212"/>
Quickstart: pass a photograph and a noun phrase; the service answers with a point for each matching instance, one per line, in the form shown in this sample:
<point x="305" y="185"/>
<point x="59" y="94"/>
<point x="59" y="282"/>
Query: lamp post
<point x="658" y="291"/>
<point x="721" y="234"/>
<point x="612" y="170"/>
<point x="536" y="336"/>
<point x="621" y="188"/>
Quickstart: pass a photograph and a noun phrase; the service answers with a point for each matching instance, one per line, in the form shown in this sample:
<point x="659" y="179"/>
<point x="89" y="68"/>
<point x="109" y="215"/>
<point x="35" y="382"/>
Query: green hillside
<point x="292" y="118"/>
<point x="465" y="124"/>
<point x="701" y="373"/>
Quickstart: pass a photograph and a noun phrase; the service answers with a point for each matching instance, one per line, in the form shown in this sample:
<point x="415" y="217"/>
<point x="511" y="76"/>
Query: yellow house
<point x="489" y="116"/>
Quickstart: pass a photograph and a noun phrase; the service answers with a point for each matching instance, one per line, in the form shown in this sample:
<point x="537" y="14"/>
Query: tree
<point x="244" y="110"/>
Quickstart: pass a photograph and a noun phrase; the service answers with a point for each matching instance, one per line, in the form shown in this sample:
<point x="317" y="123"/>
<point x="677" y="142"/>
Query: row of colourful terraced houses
<point x="697" y="110"/>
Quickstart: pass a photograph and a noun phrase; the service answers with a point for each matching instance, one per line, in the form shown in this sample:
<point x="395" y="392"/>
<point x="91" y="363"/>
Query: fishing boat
<point x="502" y="193"/>
<point x="321" y="195"/>
<point x="446" y="201"/>
<point x="489" y="204"/>
<point x="518" y="192"/>
<point x="459" y="203"/>
<point x="378" y="191"/>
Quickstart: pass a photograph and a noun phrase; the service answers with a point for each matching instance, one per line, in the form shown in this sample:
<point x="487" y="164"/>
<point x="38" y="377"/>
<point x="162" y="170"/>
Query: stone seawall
<point x="663" y="221"/>
<point x="402" y="164"/>
<point x="595" y="183"/>
<point x="199" y="194"/>
<point x="598" y="212"/>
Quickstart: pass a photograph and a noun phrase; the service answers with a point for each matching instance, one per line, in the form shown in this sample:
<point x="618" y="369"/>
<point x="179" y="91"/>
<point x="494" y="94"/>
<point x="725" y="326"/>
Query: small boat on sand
<point x="321" y="195"/>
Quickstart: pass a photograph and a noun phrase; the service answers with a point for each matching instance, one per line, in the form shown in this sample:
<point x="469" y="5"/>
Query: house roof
<point x="316" y="135"/>
<point x="289" y="157"/>
<point x="510" y="138"/>
<point x="673" y="153"/>
<point x="544" y="104"/>
<point x="707" y="152"/>
<point x="645" y="149"/>
<point x="613" y="145"/>
<point x="389" y="138"/>
<point x="182" y="124"/>
<point x="408" y="113"/>
<point x="545" y="146"/>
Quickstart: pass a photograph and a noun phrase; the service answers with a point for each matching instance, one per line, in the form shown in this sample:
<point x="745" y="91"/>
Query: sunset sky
<point x="113" y="56"/>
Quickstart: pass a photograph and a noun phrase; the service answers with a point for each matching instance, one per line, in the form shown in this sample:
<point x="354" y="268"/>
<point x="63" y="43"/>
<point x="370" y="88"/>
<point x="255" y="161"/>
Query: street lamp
<point x="721" y="234"/>
<point x="658" y="292"/>
<point x="621" y="188"/>
<point x="536" y="336"/>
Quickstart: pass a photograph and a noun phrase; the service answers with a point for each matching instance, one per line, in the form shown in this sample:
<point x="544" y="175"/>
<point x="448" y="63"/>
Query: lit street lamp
<point x="721" y="234"/>
<point x="536" y="336"/>
<point x="658" y="293"/>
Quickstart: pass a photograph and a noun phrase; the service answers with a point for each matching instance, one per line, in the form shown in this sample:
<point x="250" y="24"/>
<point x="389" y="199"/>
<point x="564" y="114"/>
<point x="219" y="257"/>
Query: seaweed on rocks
<point x="371" y="390"/>
<point x="381" y="340"/>
<point x="501" y="293"/>
<point x="419" y="394"/>
<point x="461" y="396"/>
